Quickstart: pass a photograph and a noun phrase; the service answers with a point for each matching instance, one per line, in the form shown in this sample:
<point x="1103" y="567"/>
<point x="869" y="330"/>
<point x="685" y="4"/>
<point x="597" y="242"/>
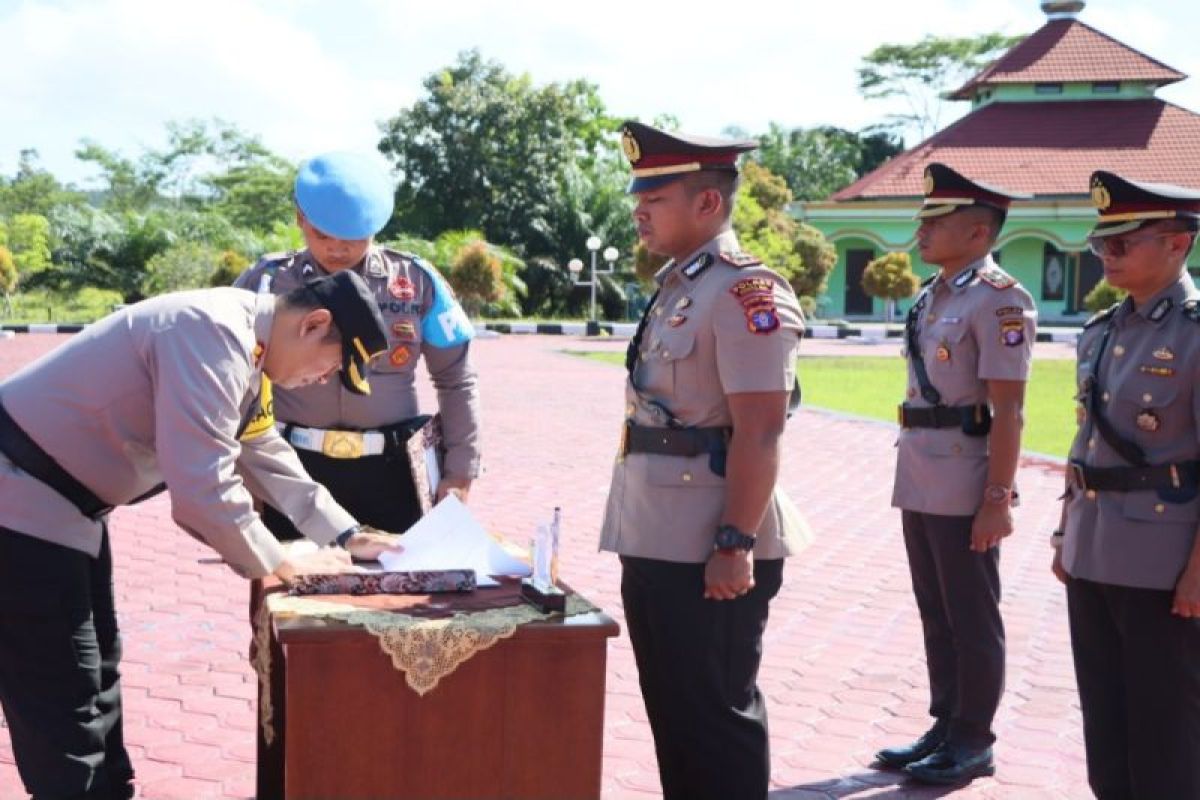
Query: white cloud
<point x="309" y="75"/>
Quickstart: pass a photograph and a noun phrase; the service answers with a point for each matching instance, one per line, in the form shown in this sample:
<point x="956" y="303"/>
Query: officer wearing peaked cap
<point x="357" y="446"/>
<point x="969" y="340"/>
<point x="172" y="392"/>
<point x="693" y="510"/>
<point x="1128" y="548"/>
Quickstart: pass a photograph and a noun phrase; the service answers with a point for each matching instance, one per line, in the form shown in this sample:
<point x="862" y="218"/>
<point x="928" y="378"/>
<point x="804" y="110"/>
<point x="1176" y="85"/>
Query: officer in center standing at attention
<point x="1130" y="556"/>
<point x="355" y="444"/>
<point x="969" y="341"/>
<point x="693" y="510"/>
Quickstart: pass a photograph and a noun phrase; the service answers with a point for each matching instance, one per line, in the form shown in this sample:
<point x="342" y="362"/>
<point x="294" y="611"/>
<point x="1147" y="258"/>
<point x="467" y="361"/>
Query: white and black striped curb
<point x="46" y="327"/>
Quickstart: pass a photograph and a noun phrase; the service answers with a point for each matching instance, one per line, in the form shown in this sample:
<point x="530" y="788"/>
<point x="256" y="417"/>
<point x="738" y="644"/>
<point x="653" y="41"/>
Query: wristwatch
<point x="345" y="535"/>
<point x="998" y="495"/>
<point x="730" y="540"/>
<point x="1056" y="539"/>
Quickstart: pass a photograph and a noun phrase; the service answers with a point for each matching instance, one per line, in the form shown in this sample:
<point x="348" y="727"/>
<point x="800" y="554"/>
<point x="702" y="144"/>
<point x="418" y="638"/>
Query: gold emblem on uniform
<point x="1162" y="372"/>
<point x="1148" y="421"/>
<point x="683" y="302"/>
<point x="928" y="182"/>
<point x="1164" y="354"/>
<point x="677" y="320"/>
<point x="943" y="352"/>
<point x="629" y="144"/>
<point x="1101" y="199"/>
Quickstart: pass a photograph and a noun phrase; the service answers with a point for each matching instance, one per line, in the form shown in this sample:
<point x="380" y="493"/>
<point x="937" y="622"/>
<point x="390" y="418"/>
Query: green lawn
<point x="872" y="386"/>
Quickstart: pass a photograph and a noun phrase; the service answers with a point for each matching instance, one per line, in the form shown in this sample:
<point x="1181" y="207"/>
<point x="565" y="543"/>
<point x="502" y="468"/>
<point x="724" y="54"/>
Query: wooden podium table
<point x="522" y="719"/>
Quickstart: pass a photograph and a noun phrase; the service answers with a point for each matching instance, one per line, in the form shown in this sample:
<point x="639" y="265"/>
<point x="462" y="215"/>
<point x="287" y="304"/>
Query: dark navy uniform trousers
<point x="958" y="596"/>
<point x="698" y="664"/>
<point x="59" y="684"/>
<point x="1138" y="668"/>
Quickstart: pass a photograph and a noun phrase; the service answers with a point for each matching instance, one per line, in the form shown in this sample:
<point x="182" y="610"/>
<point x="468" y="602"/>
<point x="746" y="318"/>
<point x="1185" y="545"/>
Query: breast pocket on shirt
<point x="1152" y="414"/>
<point x="952" y="358"/>
<point x="675" y="361"/>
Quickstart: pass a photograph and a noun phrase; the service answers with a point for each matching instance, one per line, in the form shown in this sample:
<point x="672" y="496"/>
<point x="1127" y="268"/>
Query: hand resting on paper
<point x="325" y="560"/>
<point x="369" y="544"/>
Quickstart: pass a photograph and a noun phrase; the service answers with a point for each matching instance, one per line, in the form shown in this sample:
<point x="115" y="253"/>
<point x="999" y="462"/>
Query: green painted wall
<point x="1028" y="93"/>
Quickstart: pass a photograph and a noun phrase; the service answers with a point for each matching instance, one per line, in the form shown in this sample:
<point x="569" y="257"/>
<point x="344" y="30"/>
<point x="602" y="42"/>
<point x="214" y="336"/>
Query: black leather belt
<point x="941" y="416"/>
<point x="1184" y="475"/>
<point x="674" y="441"/>
<point x="28" y="455"/>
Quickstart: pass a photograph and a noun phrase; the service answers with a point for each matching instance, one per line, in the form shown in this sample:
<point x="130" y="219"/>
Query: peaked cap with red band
<point x="946" y="191"/>
<point x="658" y="157"/>
<point x="1127" y="205"/>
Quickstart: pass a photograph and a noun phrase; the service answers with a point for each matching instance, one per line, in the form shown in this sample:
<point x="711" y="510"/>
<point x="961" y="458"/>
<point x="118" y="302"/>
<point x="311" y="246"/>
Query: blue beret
<point x="344" y="195"/>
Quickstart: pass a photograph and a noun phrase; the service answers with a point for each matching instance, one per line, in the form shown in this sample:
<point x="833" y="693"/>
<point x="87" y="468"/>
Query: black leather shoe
<point x="900" y="757"/>
<point x="951" y="764"/>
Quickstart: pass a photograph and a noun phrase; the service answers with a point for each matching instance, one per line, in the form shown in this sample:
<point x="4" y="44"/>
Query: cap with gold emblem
<point x="946" y="191"/>
<point x="356" y="314"/>
<point x="658" y="157"/>
<point x="1125" y="205"/>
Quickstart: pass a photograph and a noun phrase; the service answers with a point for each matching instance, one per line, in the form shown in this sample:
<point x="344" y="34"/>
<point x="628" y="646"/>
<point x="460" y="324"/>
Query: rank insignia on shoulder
<point x="400" y="356"/>
<point x="997" y="278"/>
<point x="740" y="259"/>
<point x="1012" y="332"/>
<point x="697" y="265"/>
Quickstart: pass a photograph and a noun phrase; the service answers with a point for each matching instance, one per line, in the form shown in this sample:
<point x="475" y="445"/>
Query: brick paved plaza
<point x="843" y="666"/>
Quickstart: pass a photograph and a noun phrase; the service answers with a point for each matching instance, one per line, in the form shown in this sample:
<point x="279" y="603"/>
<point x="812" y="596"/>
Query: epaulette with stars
<point x="996" y="278"/>
<point x="1101" y="316"/>
<point x="740" y="259"/>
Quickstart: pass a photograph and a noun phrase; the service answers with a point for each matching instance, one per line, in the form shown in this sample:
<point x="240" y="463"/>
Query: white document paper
<point x="449" y="537"/>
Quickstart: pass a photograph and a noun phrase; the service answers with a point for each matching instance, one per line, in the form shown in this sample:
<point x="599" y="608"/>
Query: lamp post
<point x="575" y="266"/>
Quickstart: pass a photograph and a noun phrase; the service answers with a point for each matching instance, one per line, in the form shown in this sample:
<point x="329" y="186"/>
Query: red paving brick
<point x="843" y="668"/>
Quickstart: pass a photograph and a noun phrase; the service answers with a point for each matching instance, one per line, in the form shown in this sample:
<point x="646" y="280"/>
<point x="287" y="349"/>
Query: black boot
<point x="952" y="764"/>
<point x="900" y="757"/>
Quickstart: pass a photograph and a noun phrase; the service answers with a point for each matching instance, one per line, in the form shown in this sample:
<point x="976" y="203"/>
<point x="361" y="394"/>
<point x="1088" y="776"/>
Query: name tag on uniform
<point x="950" y="320"/>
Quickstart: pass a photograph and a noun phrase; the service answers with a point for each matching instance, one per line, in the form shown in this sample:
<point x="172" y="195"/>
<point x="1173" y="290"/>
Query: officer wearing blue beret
<point x="357" y="445"/>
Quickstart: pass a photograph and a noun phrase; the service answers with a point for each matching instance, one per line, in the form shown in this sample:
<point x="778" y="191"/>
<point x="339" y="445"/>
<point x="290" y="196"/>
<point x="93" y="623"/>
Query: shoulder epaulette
<point x="997" y="278"/>
<point x="1101" y="316"/>
<point x="1191" y="310"/>
<point x="740" y="259"/>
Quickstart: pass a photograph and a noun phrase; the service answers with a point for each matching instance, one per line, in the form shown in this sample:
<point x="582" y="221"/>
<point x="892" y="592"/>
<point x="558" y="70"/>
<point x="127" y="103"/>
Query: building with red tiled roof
<point x="1065" y="101"/>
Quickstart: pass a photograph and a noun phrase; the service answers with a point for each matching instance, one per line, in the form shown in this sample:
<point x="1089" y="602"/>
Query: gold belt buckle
<point x="342" y="444"/>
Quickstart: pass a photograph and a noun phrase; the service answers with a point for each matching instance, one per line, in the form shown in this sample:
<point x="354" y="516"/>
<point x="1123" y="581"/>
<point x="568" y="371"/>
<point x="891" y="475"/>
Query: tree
<point x="187" y="265"/>
<point x="890" y="277"/>
<point x="33" y="190"/>
<point x="230" y="265"/>
<point x="476" y="277"/>
<point x="921" y="73"/>
<point x="1103" y="295"/>
<point x="8" y="277"/>
<point x="646" y="264"/>
<point x="798" y="252"/>
<point x="816" y="162"/>
<point x="487" y="150"/>
<point x="29" y="243"/>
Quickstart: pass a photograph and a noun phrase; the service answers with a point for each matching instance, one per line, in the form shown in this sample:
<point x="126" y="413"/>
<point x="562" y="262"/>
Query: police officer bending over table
<point x="1130" y="556"/>
<point x="354" y="444"/>
<point x="172" y="389"/>
<point x="969" y="340"/>
<point x="693" y="509"/>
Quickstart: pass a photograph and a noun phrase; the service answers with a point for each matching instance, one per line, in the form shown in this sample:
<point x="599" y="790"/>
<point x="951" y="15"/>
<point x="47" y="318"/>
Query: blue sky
<point x="312" y="75"/>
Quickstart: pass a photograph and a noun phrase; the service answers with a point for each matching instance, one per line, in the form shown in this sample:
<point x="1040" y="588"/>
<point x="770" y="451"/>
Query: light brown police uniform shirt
<point x="979" y="325"/>
<point x="405" y="294"/>
<point x="158" y="392"/>
<point x="702" y="342"/>
<point x="1148" y="382"/>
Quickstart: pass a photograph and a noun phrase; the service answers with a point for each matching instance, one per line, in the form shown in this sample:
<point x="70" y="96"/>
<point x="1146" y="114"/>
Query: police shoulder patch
<point x="757" y="298"/>
<point x="997" y="278"/>
<point x="1102" y="316"/>
<point x="740" y="259"/>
